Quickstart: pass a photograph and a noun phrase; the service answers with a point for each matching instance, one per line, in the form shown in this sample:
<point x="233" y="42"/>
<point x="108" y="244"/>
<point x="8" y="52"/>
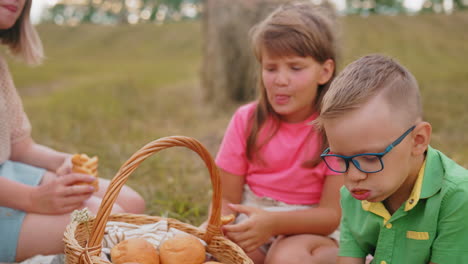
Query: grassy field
<point x="107" y="91"/>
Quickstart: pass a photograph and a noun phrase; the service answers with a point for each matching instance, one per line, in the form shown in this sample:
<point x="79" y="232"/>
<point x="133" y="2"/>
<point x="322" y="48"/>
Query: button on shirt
<point x="432" y="226"/>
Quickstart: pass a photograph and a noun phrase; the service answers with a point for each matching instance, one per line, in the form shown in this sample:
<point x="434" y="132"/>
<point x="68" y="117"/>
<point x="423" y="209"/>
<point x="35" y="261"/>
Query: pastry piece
<point x="134" y="250"/>
<point x="86" y="165"/>
<point x="182" y="249"/>
<point x="227" y="219"/>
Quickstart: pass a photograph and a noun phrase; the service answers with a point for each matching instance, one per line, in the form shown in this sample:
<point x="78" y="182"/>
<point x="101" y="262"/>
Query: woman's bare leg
<point x="43" y="234"/>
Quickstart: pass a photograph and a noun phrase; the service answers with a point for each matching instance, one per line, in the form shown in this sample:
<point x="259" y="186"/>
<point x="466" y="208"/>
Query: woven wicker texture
<point x="83" y="248"/>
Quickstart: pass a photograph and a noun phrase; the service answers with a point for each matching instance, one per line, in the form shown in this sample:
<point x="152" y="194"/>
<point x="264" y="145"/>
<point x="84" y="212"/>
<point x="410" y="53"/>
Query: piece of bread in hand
<point x="86" y="165"/>
<point x="227" y="219"/>
<point x="134" y="250"/>
<point x="182" y="249"/>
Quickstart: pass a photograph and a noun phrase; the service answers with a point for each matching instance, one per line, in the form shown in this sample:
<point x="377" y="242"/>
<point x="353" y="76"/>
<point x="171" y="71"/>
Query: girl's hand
<point x="66" y="167"/>
<point x="60" y="195"/>
<point x="253" y="232"/>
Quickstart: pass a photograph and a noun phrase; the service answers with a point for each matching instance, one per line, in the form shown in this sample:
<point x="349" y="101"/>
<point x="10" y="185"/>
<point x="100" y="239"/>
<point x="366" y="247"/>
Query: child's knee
<point x="280" y="256"/>
<point x="132" y="202"/>
<point x="93" y="204"/>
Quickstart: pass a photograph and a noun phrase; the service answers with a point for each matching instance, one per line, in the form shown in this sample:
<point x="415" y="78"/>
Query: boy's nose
<point x="354" y="174"/>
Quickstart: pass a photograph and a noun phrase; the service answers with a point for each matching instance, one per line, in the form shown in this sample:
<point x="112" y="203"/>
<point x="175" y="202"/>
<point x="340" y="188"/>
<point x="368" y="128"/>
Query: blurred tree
<point x="229" y="72"/>
<point x="229" y="67"/>
<point x="460" y="4"/>
<point x="117" y="11"/>
<point x="364" y="7"/>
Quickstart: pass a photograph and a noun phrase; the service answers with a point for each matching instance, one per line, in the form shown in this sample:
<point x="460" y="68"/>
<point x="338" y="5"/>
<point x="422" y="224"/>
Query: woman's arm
<point x="28" y="152"/>
<point x="55" y="197"/>
<point x="15" y="195"/>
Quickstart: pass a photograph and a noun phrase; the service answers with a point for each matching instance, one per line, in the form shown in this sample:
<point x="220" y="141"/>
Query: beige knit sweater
<point x="14" y="124"/>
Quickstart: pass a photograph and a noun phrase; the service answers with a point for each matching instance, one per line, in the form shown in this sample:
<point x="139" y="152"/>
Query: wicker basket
<point x="83" y="248"/>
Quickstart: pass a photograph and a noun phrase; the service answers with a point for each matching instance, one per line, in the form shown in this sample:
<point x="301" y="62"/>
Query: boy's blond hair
<point x="22" y="38"/>
<point x="366" y="78"/>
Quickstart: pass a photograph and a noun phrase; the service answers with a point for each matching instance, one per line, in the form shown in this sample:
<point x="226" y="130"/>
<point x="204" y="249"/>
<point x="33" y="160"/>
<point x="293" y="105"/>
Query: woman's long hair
<point x="22" y="38"/>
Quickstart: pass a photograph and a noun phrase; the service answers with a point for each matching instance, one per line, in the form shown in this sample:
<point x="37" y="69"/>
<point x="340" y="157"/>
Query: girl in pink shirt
<point x="37" y="188"/>
<point x="271" y="172"/>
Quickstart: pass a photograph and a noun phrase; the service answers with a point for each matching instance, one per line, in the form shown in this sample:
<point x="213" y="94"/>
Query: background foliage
<point x="107" y="91"/>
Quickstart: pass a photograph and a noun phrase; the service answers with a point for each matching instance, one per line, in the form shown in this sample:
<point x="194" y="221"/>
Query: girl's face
<point x="10" y="10"/>
<point x="291" y="84"/>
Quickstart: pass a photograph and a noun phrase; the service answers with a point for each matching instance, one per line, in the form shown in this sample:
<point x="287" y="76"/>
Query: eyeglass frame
<point x="379" y="155"/>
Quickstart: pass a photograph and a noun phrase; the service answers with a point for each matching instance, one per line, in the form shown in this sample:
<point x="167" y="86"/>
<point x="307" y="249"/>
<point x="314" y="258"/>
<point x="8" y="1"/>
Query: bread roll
<point x="212" y="262"/>
<point x="182" y="249"/>
<point x="86" y="165"/>
<point x="136" y="250"/>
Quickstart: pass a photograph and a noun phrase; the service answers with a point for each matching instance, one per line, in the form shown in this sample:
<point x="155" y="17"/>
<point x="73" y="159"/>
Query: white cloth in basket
<point x="155" y="233"/>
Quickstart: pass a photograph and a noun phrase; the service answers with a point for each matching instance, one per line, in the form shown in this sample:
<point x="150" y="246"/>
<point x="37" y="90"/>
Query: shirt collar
<point x="426" y="185"/>
<point x="434" y="174"/>
<point x="416" y="192"/>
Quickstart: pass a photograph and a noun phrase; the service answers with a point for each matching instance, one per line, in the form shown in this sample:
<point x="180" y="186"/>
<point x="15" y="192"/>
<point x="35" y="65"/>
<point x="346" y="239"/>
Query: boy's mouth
<point x="360" y="194"/>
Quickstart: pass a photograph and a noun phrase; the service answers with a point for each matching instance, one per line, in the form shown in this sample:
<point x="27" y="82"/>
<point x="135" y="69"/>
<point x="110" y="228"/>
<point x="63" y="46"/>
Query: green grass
<point x="107" y="91"/>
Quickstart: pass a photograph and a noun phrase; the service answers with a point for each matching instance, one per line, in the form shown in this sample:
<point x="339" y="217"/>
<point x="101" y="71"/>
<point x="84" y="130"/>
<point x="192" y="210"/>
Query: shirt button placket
<point x="384" y="252"/>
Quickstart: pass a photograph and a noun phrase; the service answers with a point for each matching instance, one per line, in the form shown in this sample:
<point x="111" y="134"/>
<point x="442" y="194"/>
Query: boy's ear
<point x="421" y="138"/>
<point x="328" y="67"/>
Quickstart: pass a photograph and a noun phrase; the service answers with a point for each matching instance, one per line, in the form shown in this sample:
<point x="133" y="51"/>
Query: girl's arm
<point x="349" y="260"/>
<point x="322" y="220"/>
<point x="28" y="152"/>
<point x="261" y="224"/>
<point x="232" y="188"/>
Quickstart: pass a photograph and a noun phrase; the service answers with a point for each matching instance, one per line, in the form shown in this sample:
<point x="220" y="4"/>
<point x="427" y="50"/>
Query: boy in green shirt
<point x="404" y="202"/>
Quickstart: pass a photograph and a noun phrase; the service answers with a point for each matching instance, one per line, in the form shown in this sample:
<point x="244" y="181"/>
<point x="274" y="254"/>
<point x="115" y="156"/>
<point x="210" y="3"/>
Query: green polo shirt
<point x="432" y="226"/>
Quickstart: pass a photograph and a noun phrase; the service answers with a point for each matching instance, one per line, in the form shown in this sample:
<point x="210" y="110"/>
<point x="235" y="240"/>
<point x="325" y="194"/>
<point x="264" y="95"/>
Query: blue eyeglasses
<point x="366" y="162"/>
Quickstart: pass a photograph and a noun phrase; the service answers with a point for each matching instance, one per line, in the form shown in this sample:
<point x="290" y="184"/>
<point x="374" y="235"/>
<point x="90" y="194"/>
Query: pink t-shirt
<point x="282" y="176"/>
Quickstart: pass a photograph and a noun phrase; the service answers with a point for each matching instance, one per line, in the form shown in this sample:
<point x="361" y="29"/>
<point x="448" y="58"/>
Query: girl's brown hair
<point x="22" y="38"/>
<point x="300" y="29"/>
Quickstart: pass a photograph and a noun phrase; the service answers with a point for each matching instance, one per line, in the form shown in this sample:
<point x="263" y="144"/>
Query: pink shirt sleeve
<point x="231" y="156"/>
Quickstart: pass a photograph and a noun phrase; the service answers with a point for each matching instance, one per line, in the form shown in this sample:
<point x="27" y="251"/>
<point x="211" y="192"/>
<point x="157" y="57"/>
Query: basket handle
<point x="214" y="222"/>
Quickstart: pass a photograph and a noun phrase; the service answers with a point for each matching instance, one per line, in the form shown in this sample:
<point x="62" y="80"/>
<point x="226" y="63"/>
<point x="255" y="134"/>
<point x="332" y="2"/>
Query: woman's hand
<point x="254" y="231"/>
<point x="66" y="167"/>
<point x="61" y="195"/>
